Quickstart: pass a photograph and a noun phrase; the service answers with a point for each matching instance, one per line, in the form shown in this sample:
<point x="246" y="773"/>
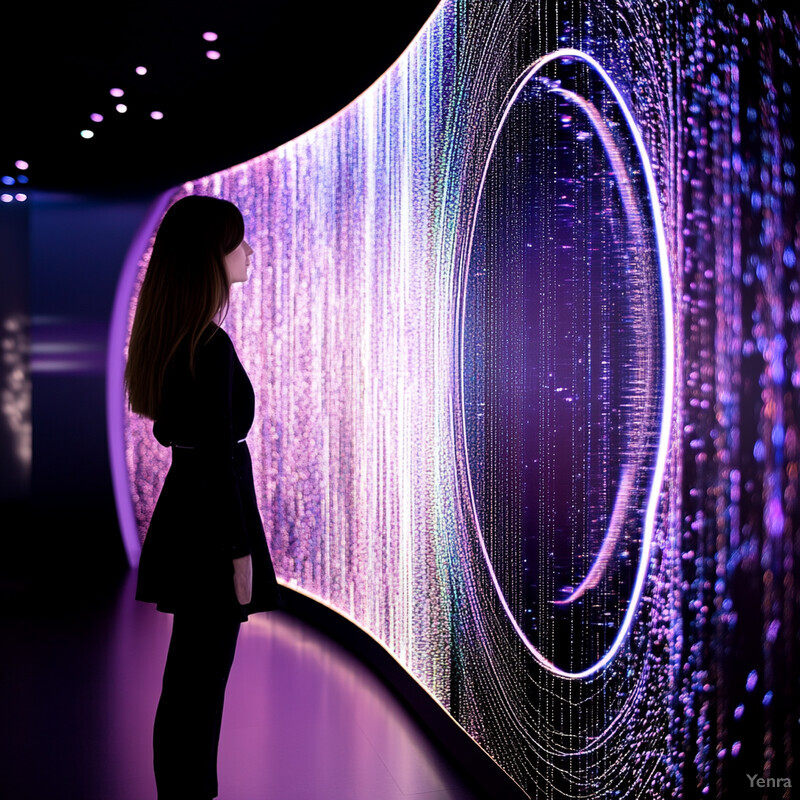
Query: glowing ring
<point x="668" y="366"/>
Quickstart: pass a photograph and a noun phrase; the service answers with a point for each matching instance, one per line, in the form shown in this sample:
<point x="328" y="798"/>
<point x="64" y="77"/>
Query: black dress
<point x="206" y="514"/>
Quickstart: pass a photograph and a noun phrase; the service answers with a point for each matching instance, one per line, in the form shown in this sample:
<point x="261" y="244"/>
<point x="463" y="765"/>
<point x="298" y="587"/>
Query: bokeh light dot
<point x="212" y="54"/>
<point x="7" y="180"/>
<point x="210" y="36"/>
<point x="96" y="117"/>
<point x="157" y="114"/>
<point x="141" y="70"/>
<point x="87" y="134"/>
<point x="121" y="107"/>
<point x="22" y="178"/>
<point x="21" y="164"/>
<point x="116" y="92"/>
<point x="21" y="197"/>
<point x="6" y="198"/>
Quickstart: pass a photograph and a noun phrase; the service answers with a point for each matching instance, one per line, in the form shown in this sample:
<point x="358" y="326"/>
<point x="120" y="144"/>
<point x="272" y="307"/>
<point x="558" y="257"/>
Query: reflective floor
<point x="304" y="719"/>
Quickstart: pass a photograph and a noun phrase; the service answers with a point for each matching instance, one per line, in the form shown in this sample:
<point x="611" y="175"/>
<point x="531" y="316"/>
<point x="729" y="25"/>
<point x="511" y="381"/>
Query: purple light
<point x="21" y="197"/>
<point x="6" y="198"/>
<point x="115" y="366"/>
<point x="210" y="36"/>
<point x="141" y="70"/>
<point x="116" y="92"/>
<point x="212" y="54"/>
<point x="21" y="164"/>
<point x="668" y="389"/>
<point x="96" y="117"/>
<point x="157" y="114"/>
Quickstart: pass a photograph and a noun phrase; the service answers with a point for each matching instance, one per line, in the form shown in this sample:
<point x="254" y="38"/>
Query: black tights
<point x="189" y="715"/>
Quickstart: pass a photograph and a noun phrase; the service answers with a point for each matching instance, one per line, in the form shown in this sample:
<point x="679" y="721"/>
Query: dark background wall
<point x="61" y="258"/>
<point x="15" y="394"/>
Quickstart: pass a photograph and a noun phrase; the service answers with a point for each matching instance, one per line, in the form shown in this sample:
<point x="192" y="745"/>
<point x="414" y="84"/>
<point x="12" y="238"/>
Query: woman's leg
<point x="189" y="715"/>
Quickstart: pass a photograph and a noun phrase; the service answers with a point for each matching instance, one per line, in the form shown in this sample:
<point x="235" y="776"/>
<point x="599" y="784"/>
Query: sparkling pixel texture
<point x="399" y="336"/>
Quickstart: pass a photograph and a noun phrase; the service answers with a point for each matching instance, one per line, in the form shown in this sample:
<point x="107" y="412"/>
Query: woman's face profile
<point x="237" y="262"/>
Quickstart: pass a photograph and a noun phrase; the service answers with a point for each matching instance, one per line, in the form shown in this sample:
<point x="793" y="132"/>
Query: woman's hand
<point x="243" y="579"/>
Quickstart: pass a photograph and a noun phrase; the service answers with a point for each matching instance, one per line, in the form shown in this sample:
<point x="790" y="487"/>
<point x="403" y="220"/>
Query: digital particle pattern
<point x="524" y="329"/>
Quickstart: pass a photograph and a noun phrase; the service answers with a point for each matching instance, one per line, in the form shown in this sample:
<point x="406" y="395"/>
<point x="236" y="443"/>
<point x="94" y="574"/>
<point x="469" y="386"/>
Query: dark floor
<point x="79" y="684"/>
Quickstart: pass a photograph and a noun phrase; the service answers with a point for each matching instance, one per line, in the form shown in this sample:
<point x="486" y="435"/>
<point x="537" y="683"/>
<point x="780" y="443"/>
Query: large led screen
<point x="523" y="329"/>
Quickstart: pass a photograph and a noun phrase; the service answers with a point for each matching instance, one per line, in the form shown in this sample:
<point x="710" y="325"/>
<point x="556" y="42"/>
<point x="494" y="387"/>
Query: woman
<point x="205" y="558"/>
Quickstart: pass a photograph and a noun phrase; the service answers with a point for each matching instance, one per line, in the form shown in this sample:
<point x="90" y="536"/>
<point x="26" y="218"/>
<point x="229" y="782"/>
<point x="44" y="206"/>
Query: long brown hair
<point x="185" y="287"/>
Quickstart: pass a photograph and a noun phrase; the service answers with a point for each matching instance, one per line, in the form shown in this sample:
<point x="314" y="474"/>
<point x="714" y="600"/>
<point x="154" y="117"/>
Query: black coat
<point x="207" y="513"/>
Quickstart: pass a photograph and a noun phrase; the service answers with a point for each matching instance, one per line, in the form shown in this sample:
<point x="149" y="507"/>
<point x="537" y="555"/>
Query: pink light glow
<point x="212" y="54"/>
<point x="141" y="70"/>
<point x="21" y="164"/>
<point x="210" y="36"/>
<point x="96" y="117"/>
<point x="121" y="107"/>
<point x="116" y="92"/>
<point x="157" y="114"/>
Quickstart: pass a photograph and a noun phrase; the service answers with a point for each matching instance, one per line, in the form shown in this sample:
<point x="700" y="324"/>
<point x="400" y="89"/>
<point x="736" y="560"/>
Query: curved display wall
<point x="494" y="326"/>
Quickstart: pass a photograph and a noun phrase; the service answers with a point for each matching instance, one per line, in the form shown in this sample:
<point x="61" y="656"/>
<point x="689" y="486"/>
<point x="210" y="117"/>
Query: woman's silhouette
<point x="205" y="558"/>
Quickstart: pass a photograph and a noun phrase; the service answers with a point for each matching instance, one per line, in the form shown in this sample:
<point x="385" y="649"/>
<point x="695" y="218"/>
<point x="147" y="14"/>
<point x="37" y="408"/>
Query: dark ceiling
<point x="284" y="67"/>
